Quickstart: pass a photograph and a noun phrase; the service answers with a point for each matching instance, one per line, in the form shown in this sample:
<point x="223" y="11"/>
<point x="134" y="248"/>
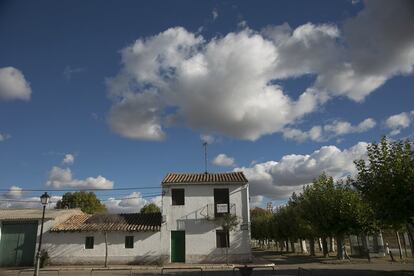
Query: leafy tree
<point x="334" y="210"/>
<point x="260" y="221"/>
<point x="150" y="208"/>
<point x="86" y="201"/>
<point x="228" y="223"/>
<point x="386" y="181"/>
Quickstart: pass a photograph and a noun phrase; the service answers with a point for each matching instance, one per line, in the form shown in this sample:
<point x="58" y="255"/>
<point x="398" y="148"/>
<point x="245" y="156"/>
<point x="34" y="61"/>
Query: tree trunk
<point x="303" y="247"/>
<point x="106" y="249"/>
<point x="365" y="247"/>
<point x="340" y="247"/>
<point x="287" y="245"/>
<point x="320" y="244"/>
<point x="331" y="244"/>
<point x="399" y="244"/>
<point x="324" y="247"/>
<point x="405" y="245"/>
<point x="292" y="245"/>
<point x="410" y="237"/>
<point x="312" y="246"/>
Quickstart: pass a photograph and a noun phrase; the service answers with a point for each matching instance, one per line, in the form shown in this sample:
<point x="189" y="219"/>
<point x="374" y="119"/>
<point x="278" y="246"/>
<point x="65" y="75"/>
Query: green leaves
<point x="86" y="201"/>
<point x="150" y="208"/>
<point x="386" y="181"/>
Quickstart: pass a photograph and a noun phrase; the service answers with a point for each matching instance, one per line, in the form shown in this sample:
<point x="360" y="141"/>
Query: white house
<point x="187" y="230"/>
<point x="190" y="205"/>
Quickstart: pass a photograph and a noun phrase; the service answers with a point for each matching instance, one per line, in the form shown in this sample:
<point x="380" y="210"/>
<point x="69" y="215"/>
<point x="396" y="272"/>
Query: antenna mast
<point x="205" y="156"/>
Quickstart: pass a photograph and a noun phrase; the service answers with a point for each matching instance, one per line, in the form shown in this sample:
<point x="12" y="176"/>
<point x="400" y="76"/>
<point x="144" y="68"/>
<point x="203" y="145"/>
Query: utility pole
<point x="205" y="156"/>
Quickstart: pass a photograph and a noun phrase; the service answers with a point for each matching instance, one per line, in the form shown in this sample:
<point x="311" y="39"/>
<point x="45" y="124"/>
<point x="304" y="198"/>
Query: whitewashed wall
<point x="200" y="233"/>
<point x="66" y="248"/>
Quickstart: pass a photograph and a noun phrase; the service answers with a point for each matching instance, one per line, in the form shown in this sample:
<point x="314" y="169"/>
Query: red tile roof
<point x="111" y="222"/>
<point x="205" y="178"/>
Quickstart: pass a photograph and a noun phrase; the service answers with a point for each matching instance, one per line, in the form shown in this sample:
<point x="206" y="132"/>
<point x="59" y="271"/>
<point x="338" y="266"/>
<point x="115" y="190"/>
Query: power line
<point x="77" y="189"/>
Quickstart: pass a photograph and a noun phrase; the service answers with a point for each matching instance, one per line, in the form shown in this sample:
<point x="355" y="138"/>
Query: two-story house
<point x="192" y="204"/>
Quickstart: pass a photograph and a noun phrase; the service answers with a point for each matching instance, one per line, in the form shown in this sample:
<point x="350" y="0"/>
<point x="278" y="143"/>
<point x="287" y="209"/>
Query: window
<point x="177" y="196"/>
<point x="222" y="239"/>
<point x="221" y="202"/>
<point x="129" y="241"/>
<point x="89" y="243"/>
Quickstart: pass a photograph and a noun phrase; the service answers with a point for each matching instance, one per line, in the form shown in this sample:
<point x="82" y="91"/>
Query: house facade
<point x="189" y="228"/>
<point x="192" y="206"/>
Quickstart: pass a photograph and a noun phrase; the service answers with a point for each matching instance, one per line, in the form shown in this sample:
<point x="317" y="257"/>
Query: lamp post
<point x="44" y="199"/>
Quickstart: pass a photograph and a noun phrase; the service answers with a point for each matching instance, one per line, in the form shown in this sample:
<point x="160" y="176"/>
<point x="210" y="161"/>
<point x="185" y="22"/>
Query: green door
<point x="17" y="244"/>
<point x="178" y="246"/>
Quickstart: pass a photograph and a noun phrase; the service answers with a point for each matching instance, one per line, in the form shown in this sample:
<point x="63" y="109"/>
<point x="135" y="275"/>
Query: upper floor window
<point x="89" y="242"/>
<point x="221" y="202"/>
<point x="129" y="241"/>
<point x="177" y="196"/>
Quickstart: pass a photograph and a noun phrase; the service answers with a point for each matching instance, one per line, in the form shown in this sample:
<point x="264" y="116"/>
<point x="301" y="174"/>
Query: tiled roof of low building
<point x="111" y="222"/>
<point x="205" y="178"/>
<point x="36" y="214"/>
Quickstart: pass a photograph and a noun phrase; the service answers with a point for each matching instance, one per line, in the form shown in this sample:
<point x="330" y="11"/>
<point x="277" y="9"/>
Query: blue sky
<point x="283" y="89"/>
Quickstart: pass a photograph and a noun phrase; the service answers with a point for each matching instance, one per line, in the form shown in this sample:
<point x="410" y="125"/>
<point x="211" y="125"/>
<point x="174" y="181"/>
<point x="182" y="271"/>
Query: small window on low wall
<point x="177" y="196"/>
<point x="89" y="241"/>
<point x="129" y="241"/>
<point x="222" y="239"/>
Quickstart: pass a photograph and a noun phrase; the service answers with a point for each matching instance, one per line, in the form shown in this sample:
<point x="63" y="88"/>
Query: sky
<point x="114" y="95"/>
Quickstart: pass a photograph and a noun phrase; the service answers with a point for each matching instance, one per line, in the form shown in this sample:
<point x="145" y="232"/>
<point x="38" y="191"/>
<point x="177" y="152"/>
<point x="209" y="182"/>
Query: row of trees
<point x="380" y="196"/>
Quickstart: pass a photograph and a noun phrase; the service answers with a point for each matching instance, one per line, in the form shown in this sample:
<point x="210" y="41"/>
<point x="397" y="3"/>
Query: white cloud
<point x="69" y="71"/>
<point x="223" y="160"/>
<point x="215" y="14"/>
<point x="206" y="138"/>
<point x="226" y="85"/>
<point x="14" y="192"/>
<point x="399" y="121"/>
<point x="13" y="85"/>
<point x="4" y="137"/>
<point x="14" y="199"/>
<point x="278" y="179"/>
<point x="69" y="159"/>
<point x="62" y="178"/>
<point x="130" y="204"/>
<point x="328" y="131"/>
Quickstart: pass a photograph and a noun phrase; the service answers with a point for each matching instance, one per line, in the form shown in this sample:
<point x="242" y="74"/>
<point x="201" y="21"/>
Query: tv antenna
<point x="205" y="156"/>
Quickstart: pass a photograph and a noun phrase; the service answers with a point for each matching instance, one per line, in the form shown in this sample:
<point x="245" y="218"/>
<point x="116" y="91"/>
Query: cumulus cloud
<point x="328" y="131"/>
<point x="16" y="198"/>
<point x="215" y="14"/>
<point x="223" y="160"/>
<point x="62" y="178"/>
<point x="4" y="137"/>
<point x="278" y="179"/>
<point x="399" y="122"/>
<point x="13" y="85"/>
<point x="69" y="159"/>
<point x="209" y="139"/>
<point x="14" y="192"/>
<point x="130" y="204"/>
<point x="227" y="85"/>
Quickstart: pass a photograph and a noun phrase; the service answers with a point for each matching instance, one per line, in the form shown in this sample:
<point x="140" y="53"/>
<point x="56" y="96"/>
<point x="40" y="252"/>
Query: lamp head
<point x="44" y="199"/>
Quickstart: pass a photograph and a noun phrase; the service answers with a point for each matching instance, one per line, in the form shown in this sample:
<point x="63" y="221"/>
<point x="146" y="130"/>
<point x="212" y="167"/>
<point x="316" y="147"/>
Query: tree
<point x="260" y="224"/>
<point x="334" y="210"/>
<point x="150" y="208"/>
<point x="386" y="181"/>
<point x="228" y="223"/>
<point x="86" y="201"/>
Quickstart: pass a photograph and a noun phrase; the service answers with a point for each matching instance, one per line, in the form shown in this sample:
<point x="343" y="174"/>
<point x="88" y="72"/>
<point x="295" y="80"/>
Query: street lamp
<point x="44" y="199"/>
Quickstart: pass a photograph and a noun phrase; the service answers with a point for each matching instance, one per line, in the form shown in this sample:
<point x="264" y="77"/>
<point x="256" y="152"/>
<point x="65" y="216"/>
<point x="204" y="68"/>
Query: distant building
<point x="185" y="231"/>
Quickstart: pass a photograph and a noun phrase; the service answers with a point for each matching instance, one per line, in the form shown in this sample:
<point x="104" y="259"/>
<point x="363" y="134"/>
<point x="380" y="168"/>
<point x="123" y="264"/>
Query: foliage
<point x="260" y="220"/>
<point x="228" y="222"/>
<point x="86" y="201"/>
<point x="386" y="181"/>
<point x="150" y="208"/>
